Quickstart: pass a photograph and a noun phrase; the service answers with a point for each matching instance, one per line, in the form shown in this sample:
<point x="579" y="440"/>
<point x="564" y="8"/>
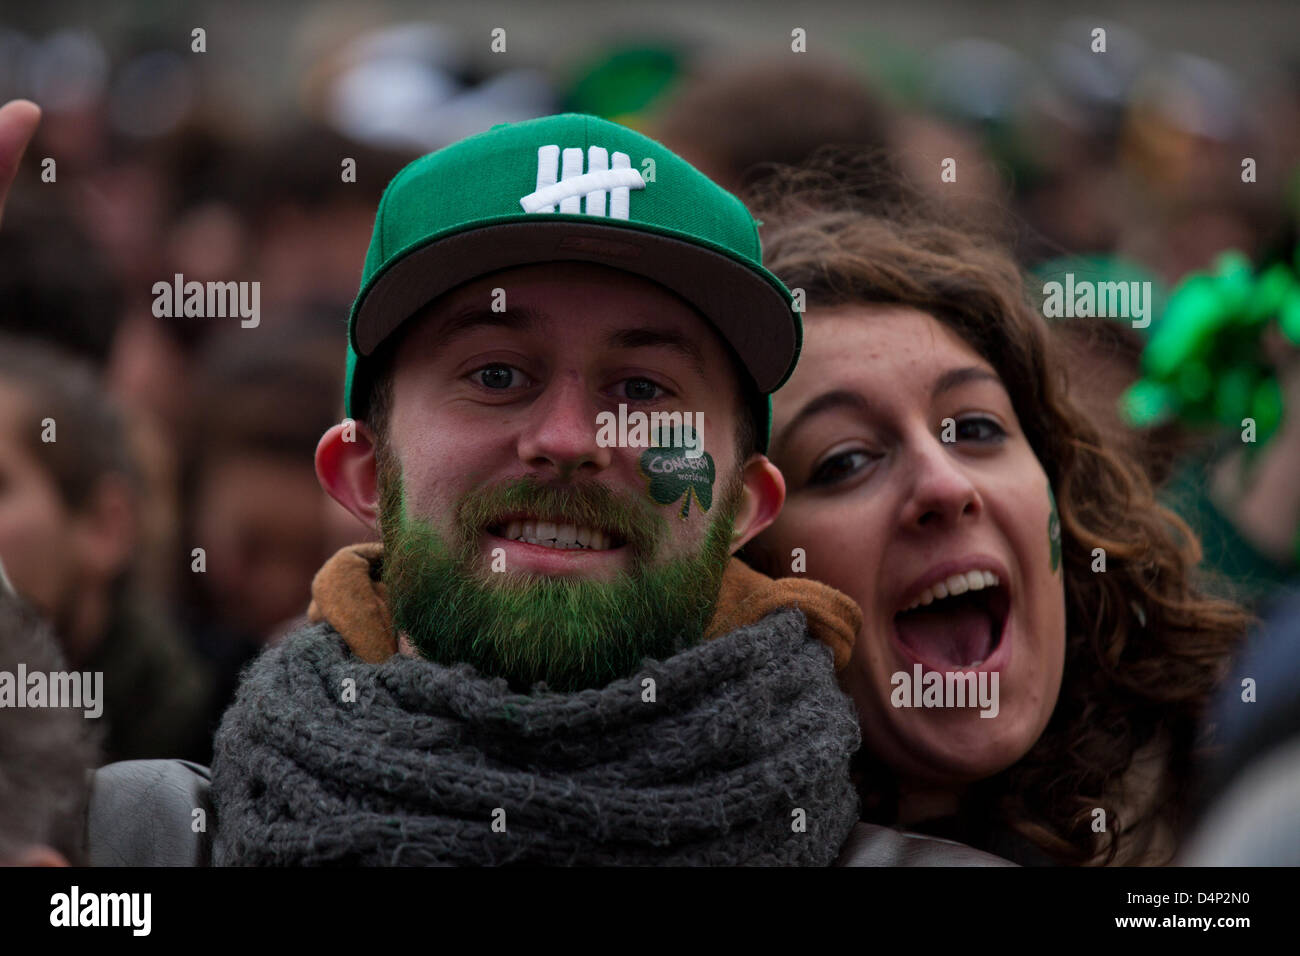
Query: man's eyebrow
<point x="659" y="338"/>
<point x="519" y="318"/>
<point x="838" y="398"/>
<point x="956" y="377"/>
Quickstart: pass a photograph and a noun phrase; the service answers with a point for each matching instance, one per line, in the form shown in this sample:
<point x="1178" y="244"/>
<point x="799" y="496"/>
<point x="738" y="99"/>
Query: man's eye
<point x="980" y="429"/>
<point x="641" y="390"/>
<point x="839" y="467"/>
<point x="498" y="376"/>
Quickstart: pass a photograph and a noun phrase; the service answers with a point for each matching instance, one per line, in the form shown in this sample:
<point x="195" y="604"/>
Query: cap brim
<point x="747" y="306"/>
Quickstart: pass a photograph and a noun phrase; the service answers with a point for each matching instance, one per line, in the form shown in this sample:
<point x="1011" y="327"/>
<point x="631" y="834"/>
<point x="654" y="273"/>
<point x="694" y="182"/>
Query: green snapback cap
<point x="572" y="187"/>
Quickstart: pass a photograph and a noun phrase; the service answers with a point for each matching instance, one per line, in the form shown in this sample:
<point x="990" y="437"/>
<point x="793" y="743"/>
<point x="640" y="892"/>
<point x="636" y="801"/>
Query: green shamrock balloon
<point x="670" y="475"/>
<point x="1205" y="364"/>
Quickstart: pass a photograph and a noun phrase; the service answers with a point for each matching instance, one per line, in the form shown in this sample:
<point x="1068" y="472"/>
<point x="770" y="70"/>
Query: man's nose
<point x="559" y="434"/>
<point x="941" y="490"/>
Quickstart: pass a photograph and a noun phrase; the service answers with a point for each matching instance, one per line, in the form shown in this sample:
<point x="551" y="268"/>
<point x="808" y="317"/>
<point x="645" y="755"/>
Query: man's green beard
<point x="568" y="632"/>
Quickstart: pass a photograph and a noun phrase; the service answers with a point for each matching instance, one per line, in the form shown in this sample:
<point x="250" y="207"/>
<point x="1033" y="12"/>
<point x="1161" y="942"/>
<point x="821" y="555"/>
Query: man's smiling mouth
<point x="555" y="534"/>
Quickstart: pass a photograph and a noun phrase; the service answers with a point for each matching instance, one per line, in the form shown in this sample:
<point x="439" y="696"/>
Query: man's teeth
<point x="564" y="537"/>
<point x="957" y="584"/>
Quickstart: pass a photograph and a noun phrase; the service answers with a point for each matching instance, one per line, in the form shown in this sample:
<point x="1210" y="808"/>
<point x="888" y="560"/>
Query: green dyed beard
<point x="570" y="633"/>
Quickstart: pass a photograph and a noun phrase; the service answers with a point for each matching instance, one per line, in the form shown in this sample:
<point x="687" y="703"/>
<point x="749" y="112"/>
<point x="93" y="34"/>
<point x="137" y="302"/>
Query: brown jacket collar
<point x="348" y="594"/>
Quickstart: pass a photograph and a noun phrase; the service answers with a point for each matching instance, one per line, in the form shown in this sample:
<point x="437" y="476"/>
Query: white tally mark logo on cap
<point x="604" y="179"/>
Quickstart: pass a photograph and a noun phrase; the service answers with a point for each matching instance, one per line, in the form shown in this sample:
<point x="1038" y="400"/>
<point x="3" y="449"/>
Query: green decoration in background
<point x="1205" y="363"/>
<point x="624" y="83"/>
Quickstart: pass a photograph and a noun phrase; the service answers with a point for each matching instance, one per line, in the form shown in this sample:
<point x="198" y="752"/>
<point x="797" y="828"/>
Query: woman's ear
<point x="345" y="467"/>
<point x="761" y="498"/>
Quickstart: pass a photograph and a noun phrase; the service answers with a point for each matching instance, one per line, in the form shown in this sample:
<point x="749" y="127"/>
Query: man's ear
<point x="761" y="499"/>
<point x="346" y="469"/>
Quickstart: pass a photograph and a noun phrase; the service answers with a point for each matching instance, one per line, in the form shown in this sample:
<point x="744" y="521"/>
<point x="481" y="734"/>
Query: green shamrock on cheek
<point x="670" y="475"/>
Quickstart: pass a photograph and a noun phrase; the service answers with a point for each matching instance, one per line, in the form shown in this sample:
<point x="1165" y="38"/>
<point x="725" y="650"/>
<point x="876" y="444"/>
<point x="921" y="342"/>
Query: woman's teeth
<point x="957" y="584"/>
<point x="564" y="537"/>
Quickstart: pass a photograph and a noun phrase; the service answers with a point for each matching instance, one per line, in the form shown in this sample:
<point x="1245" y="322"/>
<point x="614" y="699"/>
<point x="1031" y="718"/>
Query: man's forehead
<point x="603" y="306"/>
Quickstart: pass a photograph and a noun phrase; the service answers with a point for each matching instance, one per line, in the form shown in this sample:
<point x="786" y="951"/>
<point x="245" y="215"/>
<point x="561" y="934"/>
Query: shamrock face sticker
<point x="670" y="475"/>
<point x="1054" y="530"/>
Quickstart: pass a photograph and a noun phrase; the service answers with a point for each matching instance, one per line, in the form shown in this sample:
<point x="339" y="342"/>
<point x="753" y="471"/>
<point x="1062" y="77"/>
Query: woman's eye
<point x="497" y="376"/>
<point x="641" y="390"/>
<point x="979" y="429"/>
<point x="838" y="467"/>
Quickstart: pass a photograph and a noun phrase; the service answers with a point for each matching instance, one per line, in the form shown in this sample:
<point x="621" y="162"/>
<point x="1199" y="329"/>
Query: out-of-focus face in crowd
<point x="261" y="520"/>
<point x="57" y="556"/>
<point x="35" y="525"/>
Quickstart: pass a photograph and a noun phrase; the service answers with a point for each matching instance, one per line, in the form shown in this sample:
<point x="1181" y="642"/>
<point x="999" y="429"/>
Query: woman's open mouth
<point x="956" y="623"/>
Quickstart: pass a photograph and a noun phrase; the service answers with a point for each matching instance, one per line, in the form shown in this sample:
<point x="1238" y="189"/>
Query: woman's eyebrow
<point x="960" y="376"/>
<point x="838" y="398"/>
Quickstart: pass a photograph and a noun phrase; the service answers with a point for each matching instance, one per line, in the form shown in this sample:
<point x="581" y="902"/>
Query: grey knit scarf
<point x="741" y="757"/>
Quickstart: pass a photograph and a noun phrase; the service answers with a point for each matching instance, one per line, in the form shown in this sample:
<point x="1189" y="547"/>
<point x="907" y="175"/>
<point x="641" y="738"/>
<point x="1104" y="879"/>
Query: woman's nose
<point x="941" y="492"/>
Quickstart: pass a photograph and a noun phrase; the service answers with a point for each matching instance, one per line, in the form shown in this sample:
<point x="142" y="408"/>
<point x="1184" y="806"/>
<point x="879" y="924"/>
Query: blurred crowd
<point x="174" y="528"/>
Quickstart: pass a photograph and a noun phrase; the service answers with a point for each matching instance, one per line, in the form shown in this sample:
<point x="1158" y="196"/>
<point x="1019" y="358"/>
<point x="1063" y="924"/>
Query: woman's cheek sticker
<point x="1053" y="530"/>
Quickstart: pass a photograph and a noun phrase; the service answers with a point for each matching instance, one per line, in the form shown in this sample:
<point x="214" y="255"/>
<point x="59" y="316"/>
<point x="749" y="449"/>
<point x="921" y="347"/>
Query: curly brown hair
<point x="1145" y="647"/>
